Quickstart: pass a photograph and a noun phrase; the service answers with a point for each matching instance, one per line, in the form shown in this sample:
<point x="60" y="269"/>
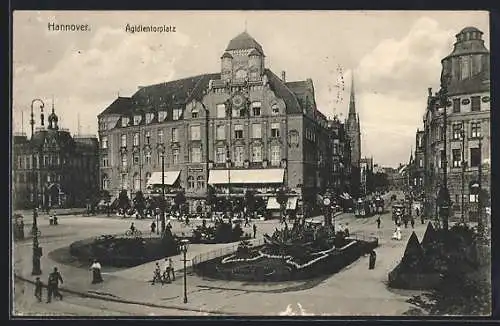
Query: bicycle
<point x="135" y="233"/>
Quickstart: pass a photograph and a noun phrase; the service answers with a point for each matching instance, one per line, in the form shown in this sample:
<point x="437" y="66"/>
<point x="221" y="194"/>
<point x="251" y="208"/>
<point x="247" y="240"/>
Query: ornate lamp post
<point x="444" y="194"/>
<point x="228" y="166"/>
<point x="163" y="191"/>
<point x="37" y="250"/>
<point x="184" y="248"/>
<point x="463" y="163"/>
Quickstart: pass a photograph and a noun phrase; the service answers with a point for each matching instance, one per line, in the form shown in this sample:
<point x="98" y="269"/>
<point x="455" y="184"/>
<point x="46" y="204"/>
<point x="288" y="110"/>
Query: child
<point x="38" y="289"/>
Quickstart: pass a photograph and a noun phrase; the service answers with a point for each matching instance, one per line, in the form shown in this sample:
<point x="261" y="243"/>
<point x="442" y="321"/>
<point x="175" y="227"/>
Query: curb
<point x="126" y="301"/>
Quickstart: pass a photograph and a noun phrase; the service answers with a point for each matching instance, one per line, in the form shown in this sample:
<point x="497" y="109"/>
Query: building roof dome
<point x="243" y="42"/>
<point x="60" y="138"/>
<point x="470" y="29"/>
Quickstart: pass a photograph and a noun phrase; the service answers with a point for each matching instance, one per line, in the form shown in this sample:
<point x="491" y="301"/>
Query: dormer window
<point x="162" y="115"/>
<point x="149" y="117"/>
<point x="194" y="113"/>
<point x="137" y="119"/>
<point x="275" y="110"/>
<point x="256" y="109"/>
<point x="177" y="114"/>
<point x="125" y="121"/>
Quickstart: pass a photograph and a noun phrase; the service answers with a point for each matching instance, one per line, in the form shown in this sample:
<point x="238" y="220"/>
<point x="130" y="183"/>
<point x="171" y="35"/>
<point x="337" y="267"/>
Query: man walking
<point x="53" y="285"/>
<point x="378" y="222"/>
<point x="254" y="231"/>
<point x="171" y="268"/>
<point x="38" y="289"/>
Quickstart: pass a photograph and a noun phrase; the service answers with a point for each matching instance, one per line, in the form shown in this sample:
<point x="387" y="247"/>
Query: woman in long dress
<point x="96" y="272"/>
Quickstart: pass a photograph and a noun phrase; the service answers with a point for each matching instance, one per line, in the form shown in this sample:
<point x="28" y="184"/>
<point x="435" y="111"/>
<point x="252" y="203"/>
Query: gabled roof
<point x="120" y="105"/>
<point x="244" y="41"/>
<point x="282" y="91"/>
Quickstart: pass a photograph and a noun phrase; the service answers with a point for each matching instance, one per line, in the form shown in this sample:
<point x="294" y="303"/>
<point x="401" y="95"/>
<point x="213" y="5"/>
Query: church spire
<point x="352" y="101"/>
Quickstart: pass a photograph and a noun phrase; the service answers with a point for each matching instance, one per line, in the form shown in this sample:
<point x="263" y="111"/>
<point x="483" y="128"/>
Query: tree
<point x="123" y="200"/>
<point x="139" y="202"/>
<point x="282" y="199"/>
<point x="210" y="196"/>
<point x="179" y="200"/>
<point x="249" y="201"/>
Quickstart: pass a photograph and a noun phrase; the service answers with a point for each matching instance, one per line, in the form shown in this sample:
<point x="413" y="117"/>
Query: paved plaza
<point x="355" y="290"/>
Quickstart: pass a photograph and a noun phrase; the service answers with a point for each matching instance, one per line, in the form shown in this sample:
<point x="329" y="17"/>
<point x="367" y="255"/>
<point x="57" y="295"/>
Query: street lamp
<point x="479" y="199"/>
<point x="463" y="163"/>
<point x="444" y="194"/>
<point x="163" y="191"/>
<point x="37" y="250"/>
<point x="184" y="247"/>
<point x="228" y="166"/>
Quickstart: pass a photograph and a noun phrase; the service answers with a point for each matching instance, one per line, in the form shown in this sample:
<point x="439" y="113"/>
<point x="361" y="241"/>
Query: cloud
<point x="399" y="67"/>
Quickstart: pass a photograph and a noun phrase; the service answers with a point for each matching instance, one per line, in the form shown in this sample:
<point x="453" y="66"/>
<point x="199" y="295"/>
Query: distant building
<point x="65" y="167"/>
<point x="366" y="174"/>
<point x="238" y="129"/>
<point x="468" y="111"/>
<point x="353" y="131"/>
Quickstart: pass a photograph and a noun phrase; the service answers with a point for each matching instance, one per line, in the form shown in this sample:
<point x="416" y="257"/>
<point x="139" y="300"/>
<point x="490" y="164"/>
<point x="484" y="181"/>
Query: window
<point x="135" y="158"/>
<point x="175" y="156"/>
<point x="137" y="119"/>
<point x="275" y="130"/>
<point x="221" y="132"/>
<point x="148" y="137"/>
<point x="221" y="110"/>
<point x="256" y="109"/>
<point x="190" y="182"/>
<point x="147" y="158"/>
<point x="236" y="113"/>
<point x="175" y="135"/>
<point x="195" y="132"/>
<point x="148" y="176"/>
<point x="420" y="163"/>
<point x="473" y="198"/>
<point x="46" y="160"/>
<point x="238" y="131"/>
<point x="105" y="182"/>
<point x="160" y="136"/>
<point x="441" y="158"/>
<point x="275" y="155"/>
<point x="475" y="129"/>
<point x="456" y="105"/>
<point x="256" y="130"/>
<point x="239" y="156"/>
<point x="177" y="114"/>
<point x="124" y="140"/>
<point x="136" y="139"/>
<point x="125" y="121"/>
<point x="220" y="155"/>
<point x="105" y="161"/>
<point x="275" y="110"/>
<point x="162" y="115"/>
<point x="28" y="162"/>
<point x="456" y="156"/>
<point x="149" y="117"/>
<point x="475" y="103"/>
<point x="137" y="181"/>
<point x="102" y="124"/>
<point x="104" y="142"/>
<point x="257" y="153"/>
<point x="465" y="67"/>
<point x="124" y="161"/>
<point x="158" y="158"/>
<point x="457" y="130"/>
<point x="20" y="162"/>
<point x="194" y="113"/>
<point x="196" y="154"/>
<point x="200" y="182"/>
<point x="475" y="157"/>
<point x="124" y="181"/>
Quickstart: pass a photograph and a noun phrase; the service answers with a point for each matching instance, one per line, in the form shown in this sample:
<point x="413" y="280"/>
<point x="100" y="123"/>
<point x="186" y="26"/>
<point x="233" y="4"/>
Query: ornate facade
<point x="243" y="127"/>
<point x="64" y="168"/>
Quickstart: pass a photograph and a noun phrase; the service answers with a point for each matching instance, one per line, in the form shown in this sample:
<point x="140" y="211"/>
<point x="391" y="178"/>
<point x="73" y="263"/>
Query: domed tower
<point x="468" y="66"/>
<point x="242" y="59"/>
<point x="53" y="120"/>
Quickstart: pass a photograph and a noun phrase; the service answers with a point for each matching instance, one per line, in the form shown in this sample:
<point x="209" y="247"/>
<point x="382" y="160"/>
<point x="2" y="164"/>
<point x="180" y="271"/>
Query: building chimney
<point x="430" y="91"/>
<point x="283" y="76"/>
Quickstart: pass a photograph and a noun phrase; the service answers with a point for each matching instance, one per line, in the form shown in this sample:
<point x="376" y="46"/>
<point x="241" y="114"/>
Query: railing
<point x="206" y="256"/>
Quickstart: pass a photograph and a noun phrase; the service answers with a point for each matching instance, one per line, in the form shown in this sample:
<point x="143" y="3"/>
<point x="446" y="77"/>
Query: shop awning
<point x="292" y="203"/>
<point x="169" y="179"/>
<point x="272" y="203"/>
<point x="247" y="176"/>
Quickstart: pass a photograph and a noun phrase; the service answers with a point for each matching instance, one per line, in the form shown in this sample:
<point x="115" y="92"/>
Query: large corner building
<point x="242" y="127"/>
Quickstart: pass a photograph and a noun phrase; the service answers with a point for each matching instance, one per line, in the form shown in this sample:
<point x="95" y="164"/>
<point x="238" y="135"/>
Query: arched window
<point x="147" y="158"/>
<point x="105" y="182"/>
<point x="200" y="182"/>
<point x="137" y="181"/>
<point x="148" y="175"/>
<point x="190" y="181"/>
<point x="194" y="113"/>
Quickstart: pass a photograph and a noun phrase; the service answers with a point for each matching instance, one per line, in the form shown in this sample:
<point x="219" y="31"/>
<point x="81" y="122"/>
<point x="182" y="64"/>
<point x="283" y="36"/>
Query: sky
<point x="394" y="57"/>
